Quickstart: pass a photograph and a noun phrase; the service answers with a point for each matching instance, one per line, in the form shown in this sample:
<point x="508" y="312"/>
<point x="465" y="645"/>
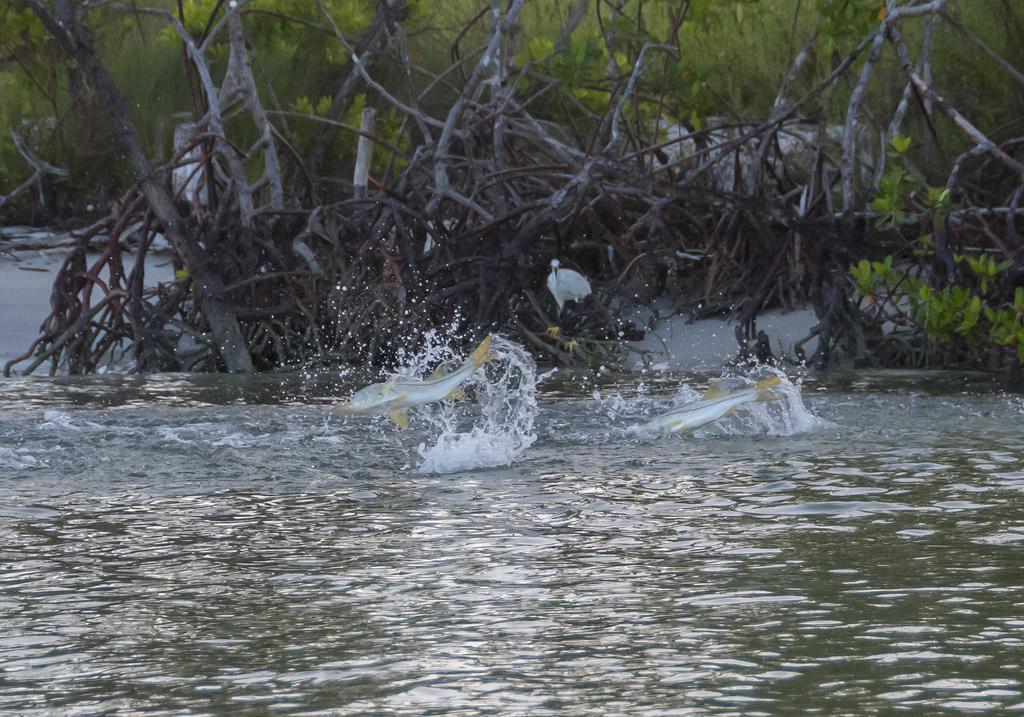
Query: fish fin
<point x="400" y="417"/>
<point x="454" y="394"/>
<point x="715" y="390"/>
<point x="389" y="386"/>
<point x="482" y="353"/>
<point x="764" y="389"/>
<point x="436" y="373"/>
<point x="677" y="427"/>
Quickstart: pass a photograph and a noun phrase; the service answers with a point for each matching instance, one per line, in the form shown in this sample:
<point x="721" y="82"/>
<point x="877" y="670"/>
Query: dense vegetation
<point x="857" y="155"/>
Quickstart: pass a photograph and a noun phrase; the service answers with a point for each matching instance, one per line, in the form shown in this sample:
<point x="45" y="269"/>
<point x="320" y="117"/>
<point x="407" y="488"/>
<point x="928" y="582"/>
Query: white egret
<point x="566" y="285"/>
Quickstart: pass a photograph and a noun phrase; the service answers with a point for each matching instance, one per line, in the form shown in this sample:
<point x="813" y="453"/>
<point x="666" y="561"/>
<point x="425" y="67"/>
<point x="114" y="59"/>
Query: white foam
<point x="1017" y="403"/>
<point x="502" y="420"/>
<point x="172" y="434"/>
<point x="618" y="405"/>
<point x="331" y="439"/>
<point x="60" y="421"/>
<point x="240" y="440"/>
<point x="17" y="459"/>
<point x="787" y="416"/>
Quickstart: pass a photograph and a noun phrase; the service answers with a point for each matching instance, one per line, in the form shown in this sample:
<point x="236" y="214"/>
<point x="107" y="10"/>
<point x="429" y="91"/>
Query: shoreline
<point x="30" y="257"/>
<point x="29" y="260"/>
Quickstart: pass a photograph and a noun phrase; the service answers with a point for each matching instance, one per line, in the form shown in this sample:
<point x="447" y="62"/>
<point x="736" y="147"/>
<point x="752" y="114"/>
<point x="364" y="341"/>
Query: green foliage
<point x="1008" y="324"/>
<point x="27" y="89"/>
<point x="387" y="126"/>
<point x="967" y="315"/>
<point x="945" y="313"/>
<point x="889" y="202"/>
<point x="868" y="276"/>
<point x="845" y="22"/>
<point x="732" y="60"/>
<point x="939" y="205"/>
<point x="900" y="144"/>
<point x="987" y="269"/>
<point x="949" y="315"/>
<point x="580" y="69"/>
<point x="904" y="197"/>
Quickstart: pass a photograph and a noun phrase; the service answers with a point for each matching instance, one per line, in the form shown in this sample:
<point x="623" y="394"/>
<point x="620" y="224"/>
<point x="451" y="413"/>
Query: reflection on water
<point x="219" y="545"/>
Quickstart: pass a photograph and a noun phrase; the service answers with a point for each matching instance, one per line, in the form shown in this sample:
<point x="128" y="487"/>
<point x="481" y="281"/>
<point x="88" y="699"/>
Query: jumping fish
<point x="395" y="396"/>
<point x="714" y="404"/>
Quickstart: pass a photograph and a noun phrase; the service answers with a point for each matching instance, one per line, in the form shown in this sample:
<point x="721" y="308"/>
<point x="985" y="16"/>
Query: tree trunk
<point x="209" y="286"/>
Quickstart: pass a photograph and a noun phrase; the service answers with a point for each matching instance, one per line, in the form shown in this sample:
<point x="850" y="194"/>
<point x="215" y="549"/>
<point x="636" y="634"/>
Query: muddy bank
<point x="675" y="343"/>
<point x="29" y="261"/>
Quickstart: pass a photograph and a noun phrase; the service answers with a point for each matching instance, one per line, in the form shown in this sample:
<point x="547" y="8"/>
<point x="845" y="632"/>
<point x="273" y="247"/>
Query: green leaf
<point x="881" y="204"/>
<point x="971" y="315"/>
<point x="182" y="274"/>
<point x="540" y="48"/>
<point x="900" y="144"/>
<point x="862" y="277"/>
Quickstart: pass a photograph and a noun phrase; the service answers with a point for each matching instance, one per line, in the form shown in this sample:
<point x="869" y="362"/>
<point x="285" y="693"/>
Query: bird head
<point x="555" y="263"/>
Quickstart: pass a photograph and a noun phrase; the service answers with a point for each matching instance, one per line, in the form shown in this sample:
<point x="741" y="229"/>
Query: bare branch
<point x="983" y="142"/>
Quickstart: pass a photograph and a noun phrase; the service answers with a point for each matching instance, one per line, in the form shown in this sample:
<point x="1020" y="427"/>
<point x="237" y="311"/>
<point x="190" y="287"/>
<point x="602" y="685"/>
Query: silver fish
<point x="396" y="396"/>
<point x="714" y="404"/>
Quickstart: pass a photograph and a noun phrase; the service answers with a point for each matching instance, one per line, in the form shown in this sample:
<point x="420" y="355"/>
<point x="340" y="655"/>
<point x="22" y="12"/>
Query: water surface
<point x="181" y="545"/>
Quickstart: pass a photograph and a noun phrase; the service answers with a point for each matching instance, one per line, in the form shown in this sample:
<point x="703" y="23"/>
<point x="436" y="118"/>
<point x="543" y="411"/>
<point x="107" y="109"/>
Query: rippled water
<point x="173" y="545"/>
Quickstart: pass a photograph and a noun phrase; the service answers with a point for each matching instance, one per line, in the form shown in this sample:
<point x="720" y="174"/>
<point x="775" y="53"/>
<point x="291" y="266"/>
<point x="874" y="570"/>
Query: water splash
<point x="787" y="416"/>
<point x="784" y="417"/>
<point x="1016" y="403"/>
<point x="495" y="430"/>
<point x="18" y="459"/>
<point x="61" y="421"/>
<point x="633" y="405"/>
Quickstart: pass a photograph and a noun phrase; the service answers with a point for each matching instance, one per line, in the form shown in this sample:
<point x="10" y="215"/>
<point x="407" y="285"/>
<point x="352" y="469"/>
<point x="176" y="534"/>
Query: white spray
<point x="494" y="430"/>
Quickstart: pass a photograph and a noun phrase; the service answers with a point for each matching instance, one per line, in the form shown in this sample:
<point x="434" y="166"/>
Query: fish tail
<point x="482" y="354"/>
<point x="764" y="388"/>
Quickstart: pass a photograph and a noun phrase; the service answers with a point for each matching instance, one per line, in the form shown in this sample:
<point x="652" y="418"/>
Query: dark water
<point x="185" y="546"/>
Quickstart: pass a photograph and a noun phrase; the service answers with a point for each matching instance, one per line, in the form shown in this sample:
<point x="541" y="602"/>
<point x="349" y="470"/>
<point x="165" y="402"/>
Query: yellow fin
<point x="400" y="417"/>
<point x="436" y="373"/>
<point x="455" y="393"/>
<point x="677" y="427"/>
<point x="715" y="390"/>
<point x="482" y="353"/>
<point x="764" y="388"/>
